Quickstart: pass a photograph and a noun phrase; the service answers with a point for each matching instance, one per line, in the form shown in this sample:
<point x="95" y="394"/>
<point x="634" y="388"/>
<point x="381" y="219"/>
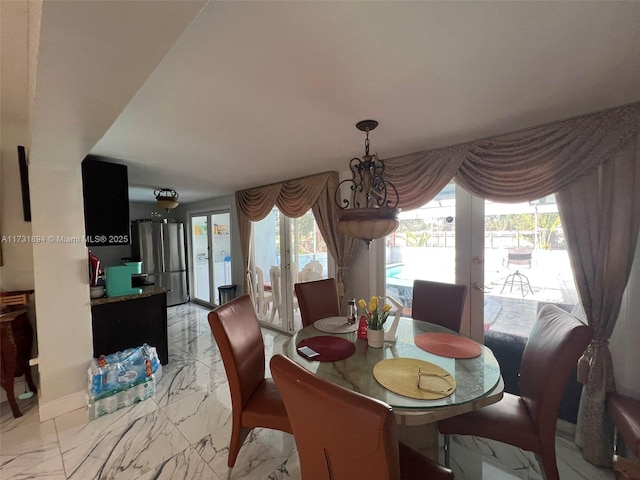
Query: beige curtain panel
<point x="593" y="163"/>
<point x="294" y="198"/>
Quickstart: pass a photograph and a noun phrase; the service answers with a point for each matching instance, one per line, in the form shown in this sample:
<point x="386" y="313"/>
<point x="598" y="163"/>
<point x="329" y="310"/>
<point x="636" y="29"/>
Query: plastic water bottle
<point x="351" y="312"/>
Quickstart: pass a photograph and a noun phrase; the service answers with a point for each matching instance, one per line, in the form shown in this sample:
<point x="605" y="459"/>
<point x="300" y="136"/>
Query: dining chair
<point x="317" y="299"/>
<point x="264" y="297"/>
<point x="344" y="435"/>
<point x="255" y="401"/>
<point x="275" y="276"/>
<point x="311" y="271"/>
<point x="528" y="421"/>
<point x="439" y="303"/>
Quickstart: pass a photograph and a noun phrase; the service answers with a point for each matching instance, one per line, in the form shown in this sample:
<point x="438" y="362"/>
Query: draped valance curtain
<point x="592" y="162"/>
<point x="294" y="198"/>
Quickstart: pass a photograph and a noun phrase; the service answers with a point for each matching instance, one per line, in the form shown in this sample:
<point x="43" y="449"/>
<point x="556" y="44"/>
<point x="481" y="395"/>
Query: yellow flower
<point x="376" y="312"/>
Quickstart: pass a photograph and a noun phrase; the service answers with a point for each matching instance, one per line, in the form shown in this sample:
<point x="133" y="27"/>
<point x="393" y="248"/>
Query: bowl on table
<point x="97" y="291"/>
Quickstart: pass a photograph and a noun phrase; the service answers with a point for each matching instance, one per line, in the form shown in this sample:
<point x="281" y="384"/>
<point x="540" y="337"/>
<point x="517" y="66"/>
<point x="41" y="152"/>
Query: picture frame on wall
<point x="24" y="183"/>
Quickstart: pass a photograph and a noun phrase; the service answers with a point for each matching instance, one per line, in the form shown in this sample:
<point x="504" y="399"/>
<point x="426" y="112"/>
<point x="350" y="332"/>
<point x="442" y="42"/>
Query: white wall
<point x="625" y="340"/>
<point x="17" y="272"/>
<point x="81" y="87"/>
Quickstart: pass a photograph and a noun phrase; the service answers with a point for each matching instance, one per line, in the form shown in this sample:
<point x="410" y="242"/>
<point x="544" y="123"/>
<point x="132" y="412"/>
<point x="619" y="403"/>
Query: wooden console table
<point x="16" y="339"/>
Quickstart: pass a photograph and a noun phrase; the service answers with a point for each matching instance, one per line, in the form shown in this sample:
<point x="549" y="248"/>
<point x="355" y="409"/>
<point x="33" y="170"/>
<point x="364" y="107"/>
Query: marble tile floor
<point x="183" y="432"/>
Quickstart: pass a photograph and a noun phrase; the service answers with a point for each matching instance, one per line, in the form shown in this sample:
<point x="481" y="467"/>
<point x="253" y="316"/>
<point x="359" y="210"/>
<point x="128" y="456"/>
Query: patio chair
<point x="521" y="257"/>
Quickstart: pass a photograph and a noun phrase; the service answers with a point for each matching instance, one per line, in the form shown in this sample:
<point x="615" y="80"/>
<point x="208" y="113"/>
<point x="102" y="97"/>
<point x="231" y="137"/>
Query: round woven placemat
<point x="448" y="345"/>
<point x="400" y="375"/>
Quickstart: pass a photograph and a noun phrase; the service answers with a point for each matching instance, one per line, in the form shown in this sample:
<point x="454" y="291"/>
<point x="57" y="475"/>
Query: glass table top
<point x="475" y="377"/>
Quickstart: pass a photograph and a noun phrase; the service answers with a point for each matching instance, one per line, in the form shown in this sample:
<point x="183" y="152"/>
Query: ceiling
<point x="252" y="93"/>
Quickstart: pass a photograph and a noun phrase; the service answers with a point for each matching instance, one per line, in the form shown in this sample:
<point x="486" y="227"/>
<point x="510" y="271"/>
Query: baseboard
<point x="566" y="429"/>
<point x="62" y="405"/>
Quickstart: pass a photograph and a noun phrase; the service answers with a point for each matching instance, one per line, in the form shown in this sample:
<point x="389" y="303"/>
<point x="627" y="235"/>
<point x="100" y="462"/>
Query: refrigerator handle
<point x="163" y="249"/>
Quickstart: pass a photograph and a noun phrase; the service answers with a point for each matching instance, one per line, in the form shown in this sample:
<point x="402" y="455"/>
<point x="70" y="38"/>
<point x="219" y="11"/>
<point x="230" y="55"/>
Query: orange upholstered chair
<point x="255" y="400"/>
<point x="439" y="303"/>
<point x="317" y="299"/>
<point x="344" y="435"/>
<point x="528" y="421"/>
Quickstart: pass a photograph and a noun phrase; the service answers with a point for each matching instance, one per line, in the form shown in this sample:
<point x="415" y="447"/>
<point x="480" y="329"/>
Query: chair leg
<point x="447" y="451"/>
<point x="548" y="465"/>
<point x="238" y="436"/>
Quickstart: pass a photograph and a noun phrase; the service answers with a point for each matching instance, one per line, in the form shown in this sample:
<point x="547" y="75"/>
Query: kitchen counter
<point x="131" y="320"/>
<point x="146" y="292"/>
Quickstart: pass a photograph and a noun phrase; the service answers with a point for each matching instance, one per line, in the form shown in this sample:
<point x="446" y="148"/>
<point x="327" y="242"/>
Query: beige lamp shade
<point x="368" y="223"/>
<point x="166" y="198"/>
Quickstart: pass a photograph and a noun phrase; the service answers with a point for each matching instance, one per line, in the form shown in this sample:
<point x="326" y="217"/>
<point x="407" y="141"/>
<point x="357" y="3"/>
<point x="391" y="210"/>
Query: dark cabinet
<point x="127" y="323"/>
<point x="105" y="188"/>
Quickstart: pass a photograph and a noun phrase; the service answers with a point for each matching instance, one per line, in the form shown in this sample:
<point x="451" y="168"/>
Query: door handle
<point x="481" y="287"/>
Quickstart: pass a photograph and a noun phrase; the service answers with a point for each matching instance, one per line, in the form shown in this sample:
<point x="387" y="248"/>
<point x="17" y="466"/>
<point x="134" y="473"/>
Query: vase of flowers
<point x="376" y="313"/>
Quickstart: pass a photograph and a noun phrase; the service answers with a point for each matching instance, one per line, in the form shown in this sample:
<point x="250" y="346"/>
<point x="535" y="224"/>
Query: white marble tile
<point x="289" y="470"/>
<point x="498" y="453"/>
<point x="187" y="465"/>
<point x="75" y="428"/>
<point x="202" y="414"/>
<point x="201" y="345"/>
<point x="136" y="450"/>
<point x="263" y="452"/>
<point x="181" y="379"/>
<point x="183" y="432"/>
<point x="479" y="458"/>
<point x="31" y="451"/>
<point x="28" y="408"/>
<point x="572" y="465"/>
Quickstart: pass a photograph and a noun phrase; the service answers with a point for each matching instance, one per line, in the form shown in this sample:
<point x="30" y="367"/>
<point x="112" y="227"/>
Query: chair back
<point x="274" y="276"/>
<point x="556" y="342"/>
<point x="311" y="271"/>
<point x="340" y="434"/>
<point x="237" y="332"/>
<point x="521" y="257"/>
<point x="317" y="299"/>
<point x="439" y="303"/>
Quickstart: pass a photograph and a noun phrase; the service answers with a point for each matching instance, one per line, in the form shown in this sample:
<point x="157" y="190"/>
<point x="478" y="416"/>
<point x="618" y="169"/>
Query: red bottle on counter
<point x="362" y="328"/>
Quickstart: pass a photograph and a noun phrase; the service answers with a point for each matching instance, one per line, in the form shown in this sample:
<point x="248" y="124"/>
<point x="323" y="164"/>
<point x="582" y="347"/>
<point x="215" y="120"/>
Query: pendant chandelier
<point x="371" y="210"/>
<point x="166" y="198"/>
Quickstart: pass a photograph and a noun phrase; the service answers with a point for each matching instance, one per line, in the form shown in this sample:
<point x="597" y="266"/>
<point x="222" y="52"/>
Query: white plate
<point x="335" y="325"/>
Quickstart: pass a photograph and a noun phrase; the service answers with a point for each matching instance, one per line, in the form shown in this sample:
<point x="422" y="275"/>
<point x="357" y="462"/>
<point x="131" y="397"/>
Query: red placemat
<point x="330" y="348"/>
<point x="448" y="345"/>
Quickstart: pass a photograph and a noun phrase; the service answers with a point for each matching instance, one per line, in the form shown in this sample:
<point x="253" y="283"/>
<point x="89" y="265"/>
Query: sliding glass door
<point x="423" y="247"/>
<point x="526" y="265"/>
<point x="210" y="255"/>
<point x="512" y="257"/>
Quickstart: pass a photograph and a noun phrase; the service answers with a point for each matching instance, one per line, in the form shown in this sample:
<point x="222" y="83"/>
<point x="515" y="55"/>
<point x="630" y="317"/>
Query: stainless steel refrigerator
<point x="161" y="249"/>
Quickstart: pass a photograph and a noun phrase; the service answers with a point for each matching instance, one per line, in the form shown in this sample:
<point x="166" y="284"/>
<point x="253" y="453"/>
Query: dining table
<point x="476" y="380"/>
